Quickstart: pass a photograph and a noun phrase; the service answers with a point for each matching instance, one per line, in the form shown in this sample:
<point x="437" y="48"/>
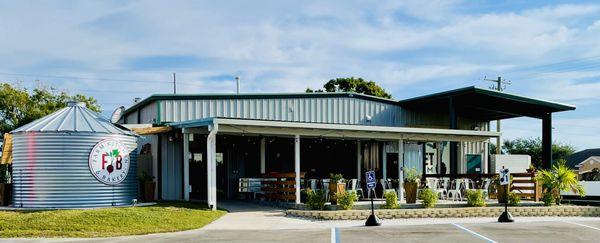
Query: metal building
<point x="54" y="159"/>
<point x="202" y="145"/>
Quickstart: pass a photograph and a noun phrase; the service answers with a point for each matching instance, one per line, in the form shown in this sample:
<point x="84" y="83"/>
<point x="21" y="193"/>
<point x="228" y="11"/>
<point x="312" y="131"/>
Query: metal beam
<point x="263" y="159"/>
<point x="547" y="141"/>
<point x="211" y="166"/>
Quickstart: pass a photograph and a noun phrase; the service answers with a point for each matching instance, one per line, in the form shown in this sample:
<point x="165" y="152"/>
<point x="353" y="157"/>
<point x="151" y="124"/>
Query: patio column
<point x="400" y="169"/>
<point x="547" y="140"/>
<point x="358" y="161"/>
<point x="186" y="165"/>
<point x="297" y="166"/>
<point x="453" y="122"/>
<point x="384" y="166"/>
<point x="262" y="156"/>
<point x="211" y="166"/>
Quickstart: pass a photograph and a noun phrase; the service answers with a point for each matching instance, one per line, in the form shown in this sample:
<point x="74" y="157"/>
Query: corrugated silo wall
<point x="51" y="170"/>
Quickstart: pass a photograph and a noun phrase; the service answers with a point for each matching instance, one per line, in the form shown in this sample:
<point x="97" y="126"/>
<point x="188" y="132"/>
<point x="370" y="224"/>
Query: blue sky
<point x="118" y="50"/>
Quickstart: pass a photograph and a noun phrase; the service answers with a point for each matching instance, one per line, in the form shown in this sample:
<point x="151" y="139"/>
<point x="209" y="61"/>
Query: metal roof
<point x="73" y="118"/>
<point x="246" y="126"/>
<point x="484" y="104"/>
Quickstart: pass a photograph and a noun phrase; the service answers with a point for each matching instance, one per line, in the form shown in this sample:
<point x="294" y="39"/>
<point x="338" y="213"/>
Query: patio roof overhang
<point x="284" y="128"/>
<point x="485" y="105"/>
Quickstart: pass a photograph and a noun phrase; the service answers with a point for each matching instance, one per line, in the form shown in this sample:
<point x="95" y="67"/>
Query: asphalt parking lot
<point x="554" y="231"/>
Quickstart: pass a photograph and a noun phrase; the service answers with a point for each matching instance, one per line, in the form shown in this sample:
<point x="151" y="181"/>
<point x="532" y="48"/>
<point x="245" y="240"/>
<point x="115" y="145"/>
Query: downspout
<point x="211" y="165"/>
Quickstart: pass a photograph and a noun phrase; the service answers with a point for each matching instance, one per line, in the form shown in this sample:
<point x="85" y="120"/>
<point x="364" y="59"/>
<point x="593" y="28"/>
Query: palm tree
<point x="560" y="178"/>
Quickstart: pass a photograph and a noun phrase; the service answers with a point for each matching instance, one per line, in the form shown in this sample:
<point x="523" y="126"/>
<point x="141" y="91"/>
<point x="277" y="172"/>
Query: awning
<point x="7" y="149"/>
<point x="484" y="104"/>
<point x="282" y="128"/>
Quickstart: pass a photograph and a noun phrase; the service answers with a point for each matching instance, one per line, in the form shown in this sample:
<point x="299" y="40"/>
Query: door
<point x="473" y="163"/>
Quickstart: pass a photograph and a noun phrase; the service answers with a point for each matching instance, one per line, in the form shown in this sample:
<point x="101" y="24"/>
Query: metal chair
<point x="313" y="184"/>
<point x="486" y="188"/>
<point x="387" y="187"/>
<point x="325" y="185"/>
<point x="455" y="190"/>
<point x="442" y="188"/>
<point x="353" y="186"/>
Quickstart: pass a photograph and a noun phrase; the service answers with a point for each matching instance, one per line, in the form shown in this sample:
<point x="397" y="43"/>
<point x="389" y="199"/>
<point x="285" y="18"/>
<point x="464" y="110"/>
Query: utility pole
<point x="174" y="84"/>
<point x="499" y="87"/>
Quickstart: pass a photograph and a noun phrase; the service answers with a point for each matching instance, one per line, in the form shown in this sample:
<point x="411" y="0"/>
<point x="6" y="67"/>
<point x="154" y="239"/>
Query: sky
<point x="118" y="50"/>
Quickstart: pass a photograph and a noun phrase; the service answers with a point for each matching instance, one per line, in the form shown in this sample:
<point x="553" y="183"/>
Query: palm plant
<point x="559" y="178"/>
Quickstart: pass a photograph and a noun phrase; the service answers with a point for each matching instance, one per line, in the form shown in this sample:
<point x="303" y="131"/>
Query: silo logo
<point x="109" y="162"/>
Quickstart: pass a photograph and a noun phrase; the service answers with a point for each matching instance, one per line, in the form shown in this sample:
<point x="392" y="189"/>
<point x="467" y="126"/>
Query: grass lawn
<point x="104" y="222"/>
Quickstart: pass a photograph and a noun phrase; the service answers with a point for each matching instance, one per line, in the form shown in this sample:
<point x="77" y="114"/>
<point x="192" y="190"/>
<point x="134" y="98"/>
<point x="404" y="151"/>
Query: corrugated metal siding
<point x="336" y="110"/>
<point x="50" y="170"/>
<point x="172" y="168"/>
<point x="132" y="118"/>
<point x="148" y="113"/>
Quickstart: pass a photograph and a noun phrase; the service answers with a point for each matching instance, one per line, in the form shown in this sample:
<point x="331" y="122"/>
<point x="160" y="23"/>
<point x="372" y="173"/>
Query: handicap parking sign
<point x="371" y="183"/>
<point x="504" y="177"/>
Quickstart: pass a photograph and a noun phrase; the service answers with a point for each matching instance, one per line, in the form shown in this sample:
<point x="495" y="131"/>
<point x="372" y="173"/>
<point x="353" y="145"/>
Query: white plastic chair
<point x="354" y="187"/>
<point x="455" y="190"/>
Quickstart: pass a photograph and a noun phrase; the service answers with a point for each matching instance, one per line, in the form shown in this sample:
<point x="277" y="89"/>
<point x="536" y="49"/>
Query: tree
<point x="19" y="106"/>
<point x="533" y="148"/>
<point x="352" y="84"/>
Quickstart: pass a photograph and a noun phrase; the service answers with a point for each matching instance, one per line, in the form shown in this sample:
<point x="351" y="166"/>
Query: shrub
<point x="475" y="198"/>
<point x="560" y="178"/>
<point x="315" y="199"/>
<point x="391" y="201"/>
<point x="513" y="199"/>
<point x="429" y="197"/>
<point x="548" y="198"/>
<point x="346" y="199"/>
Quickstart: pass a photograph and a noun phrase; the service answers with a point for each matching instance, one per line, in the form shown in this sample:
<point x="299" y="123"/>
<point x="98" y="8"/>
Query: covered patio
<point x="301" y="152"/>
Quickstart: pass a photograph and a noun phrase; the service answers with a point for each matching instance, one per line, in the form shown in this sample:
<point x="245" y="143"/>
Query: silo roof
<point x="74" y="118"/>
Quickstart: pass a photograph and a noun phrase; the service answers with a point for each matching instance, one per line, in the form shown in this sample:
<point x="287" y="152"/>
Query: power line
<point x="82" y="78"/>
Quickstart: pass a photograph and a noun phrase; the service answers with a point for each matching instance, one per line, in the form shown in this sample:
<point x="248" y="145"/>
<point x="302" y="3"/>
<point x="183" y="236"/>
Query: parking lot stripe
<point x="335" y="235"/>
<point x="474" y="233"/>
<point x="583" y="225"/>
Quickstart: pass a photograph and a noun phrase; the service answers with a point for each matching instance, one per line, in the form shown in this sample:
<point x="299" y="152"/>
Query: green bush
<point x="513" y="199"/>
<point x="429" y="197"/>
<point x="548" y="198"/>
<point x="391" y="201"/>
<point x="346" y="199"/>
<point x="315" y="199"/>
<point x="475" y="198"/>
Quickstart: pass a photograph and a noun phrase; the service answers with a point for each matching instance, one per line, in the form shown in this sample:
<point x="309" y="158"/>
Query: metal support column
<point x="547" y="140"/>
<point x="358" y="161"/>
<point x="453" y="124"/>
<point x="186" y="166"/>
<point x="384" y="161"/>
<point x="297" y="166"/>
<point x="262" y="156"/>
<point x="400" y="169"/>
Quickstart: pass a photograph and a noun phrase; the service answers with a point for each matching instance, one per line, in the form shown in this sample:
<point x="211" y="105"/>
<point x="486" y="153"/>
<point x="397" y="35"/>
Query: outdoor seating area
<point x="452" y="191"/>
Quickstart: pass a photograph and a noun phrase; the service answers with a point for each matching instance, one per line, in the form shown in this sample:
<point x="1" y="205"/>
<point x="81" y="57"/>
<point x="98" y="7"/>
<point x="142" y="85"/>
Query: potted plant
<point x="336" y="185"/>
<point x="411" y="182"/>
<point x="5" y="186"/>
<point x="501" y="189"/>
<point x="559" y="178"/>
<point x="147" y="186"/>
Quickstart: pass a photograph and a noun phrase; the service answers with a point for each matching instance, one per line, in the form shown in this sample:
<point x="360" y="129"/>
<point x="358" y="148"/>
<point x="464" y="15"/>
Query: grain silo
<point x="73" y="158"/>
